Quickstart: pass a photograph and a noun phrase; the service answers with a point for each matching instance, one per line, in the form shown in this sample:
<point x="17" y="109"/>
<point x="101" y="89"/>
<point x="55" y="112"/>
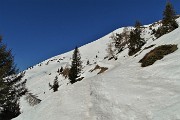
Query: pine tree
<point x="137" y="24"/>
<point x="118" y="42"/>
<point x="88" y="62"/>
<point x="7" y="66"/>
<point x="76" y="66"/>
<point x="61" y="70"/>
<point x="135" y="40"/>
<point x="169" y="21"/>
<point x="55" y="85"/>
<point x="9" y="107"/>
<point x="9" y="101"/>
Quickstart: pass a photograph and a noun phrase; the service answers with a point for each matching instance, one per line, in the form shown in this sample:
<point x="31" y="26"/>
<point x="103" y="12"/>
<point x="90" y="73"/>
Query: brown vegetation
<point x="102" y="69"/>
<point x="157" y="54"/>
<point x="65" y="72"/>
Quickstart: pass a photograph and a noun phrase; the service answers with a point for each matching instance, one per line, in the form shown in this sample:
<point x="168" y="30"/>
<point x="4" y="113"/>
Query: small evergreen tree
<point x="76" y="66"/>
<point x="55" y="85"/>
<point x="58" y="71"/>
<point x="61" y="70"/>
<point x="137" y="25"/>
<point x="118" y="42"/>
<point x="135" y="40"/>
<point x="88" y="62"/>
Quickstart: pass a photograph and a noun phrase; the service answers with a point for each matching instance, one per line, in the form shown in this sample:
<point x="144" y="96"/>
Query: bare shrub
<point x="102" y="69"/>
<point x="32" y="99"/>
<point x="65" y="72"/>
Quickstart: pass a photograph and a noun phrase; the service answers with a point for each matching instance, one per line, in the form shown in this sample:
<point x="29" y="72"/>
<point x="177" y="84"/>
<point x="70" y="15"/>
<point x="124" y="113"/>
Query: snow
<point x="125" y="91"/>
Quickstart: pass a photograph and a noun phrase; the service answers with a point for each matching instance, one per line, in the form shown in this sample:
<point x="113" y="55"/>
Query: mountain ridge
<point x="125" y="91"/>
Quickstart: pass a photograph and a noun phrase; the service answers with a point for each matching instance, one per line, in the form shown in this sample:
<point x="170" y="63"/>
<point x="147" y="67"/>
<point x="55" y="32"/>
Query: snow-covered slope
<point x="125" y="91"/>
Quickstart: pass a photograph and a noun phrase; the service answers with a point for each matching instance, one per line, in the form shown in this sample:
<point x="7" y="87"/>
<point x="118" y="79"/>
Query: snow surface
<point x="125" y="91"/>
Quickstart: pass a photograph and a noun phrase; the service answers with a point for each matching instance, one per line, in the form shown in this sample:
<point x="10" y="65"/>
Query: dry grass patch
<point x="65" y="72"/>
<point x="157" y="54"/>
<point x="102" y="69"/>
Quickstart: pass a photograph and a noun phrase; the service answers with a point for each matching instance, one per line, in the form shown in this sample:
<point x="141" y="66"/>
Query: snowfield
<point x="126" y="91"/>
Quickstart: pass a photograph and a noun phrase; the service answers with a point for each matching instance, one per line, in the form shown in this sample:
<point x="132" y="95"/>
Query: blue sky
<point x="36" y="30"/>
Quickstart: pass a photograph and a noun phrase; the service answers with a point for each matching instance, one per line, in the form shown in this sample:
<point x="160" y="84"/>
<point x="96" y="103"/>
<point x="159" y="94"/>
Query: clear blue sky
<point x="40" y="29"/>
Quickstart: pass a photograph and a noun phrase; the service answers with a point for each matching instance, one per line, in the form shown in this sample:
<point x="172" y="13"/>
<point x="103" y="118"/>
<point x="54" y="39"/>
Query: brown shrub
<point x="65" y="72"/>
<point x="157" y="54"/>
<point x="102" y="69"/>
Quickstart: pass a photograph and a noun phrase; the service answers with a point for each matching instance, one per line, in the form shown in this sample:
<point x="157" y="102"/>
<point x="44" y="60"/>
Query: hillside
<point x="125" y="91"/>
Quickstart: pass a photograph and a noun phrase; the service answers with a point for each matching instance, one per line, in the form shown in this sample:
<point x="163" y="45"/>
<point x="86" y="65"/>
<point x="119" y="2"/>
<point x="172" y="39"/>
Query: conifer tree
<point x="135" y="40"/>
<point x="9" y="95"/>
<point x="118" y="42"/>
<point x="88" y="62"/>
<point x="76" y="66"/>
<point x="55" y="85"/>
<point x="169" y="21"/>
<point x="9" y="100"/>
<point x="61" y="70"/>
<point x="7" y="66"/>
